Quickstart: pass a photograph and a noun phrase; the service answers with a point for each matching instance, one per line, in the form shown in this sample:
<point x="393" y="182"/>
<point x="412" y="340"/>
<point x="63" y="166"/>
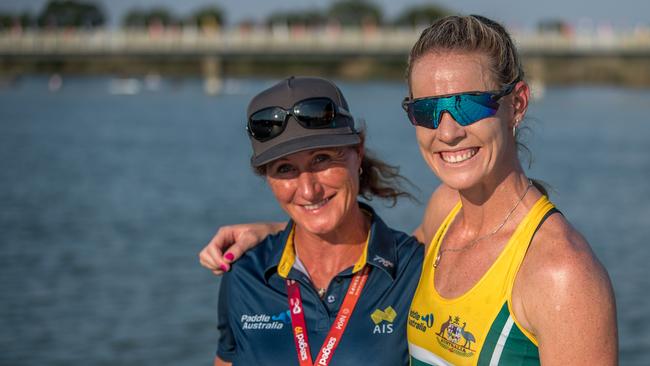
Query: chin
<point x="319" y="224"/>
<point x="462" y="176"/>
<point x="459" y="180"/>
<point x="318" y="228"/>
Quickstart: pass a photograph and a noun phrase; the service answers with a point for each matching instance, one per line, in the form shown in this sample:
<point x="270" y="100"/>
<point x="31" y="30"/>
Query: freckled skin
<point x="446" y="73"/>
<point x="562" y="295"/>
<point x="314" y="177"/>
<point x="318" y="189"/>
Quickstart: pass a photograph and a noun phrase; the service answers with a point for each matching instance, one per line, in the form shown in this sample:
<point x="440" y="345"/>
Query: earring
<point x="360" y="171"/>
<point x="514" y="127"/>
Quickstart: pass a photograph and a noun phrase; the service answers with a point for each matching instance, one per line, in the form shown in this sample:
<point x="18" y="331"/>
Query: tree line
<point x="87" y="14"/>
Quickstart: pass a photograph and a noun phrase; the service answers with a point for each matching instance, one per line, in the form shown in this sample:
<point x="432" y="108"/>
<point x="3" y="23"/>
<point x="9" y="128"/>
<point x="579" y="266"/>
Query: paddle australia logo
<point x="421" y="322"/>
<point x="265" y="321"/>
<point x="455" y="337"/>
<point x="383" y="320"/>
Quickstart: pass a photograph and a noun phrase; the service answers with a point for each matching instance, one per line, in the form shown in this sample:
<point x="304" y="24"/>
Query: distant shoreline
<point x="549" y="58"/>
<point x="601" y="70"/>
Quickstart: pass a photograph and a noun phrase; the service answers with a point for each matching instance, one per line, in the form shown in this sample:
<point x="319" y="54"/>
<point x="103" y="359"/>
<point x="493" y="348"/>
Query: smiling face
<point x="464" y="157"/>
<point x="317" y="188"/>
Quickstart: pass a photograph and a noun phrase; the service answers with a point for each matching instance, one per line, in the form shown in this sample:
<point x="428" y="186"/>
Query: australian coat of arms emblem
<point x="455" y="337"/>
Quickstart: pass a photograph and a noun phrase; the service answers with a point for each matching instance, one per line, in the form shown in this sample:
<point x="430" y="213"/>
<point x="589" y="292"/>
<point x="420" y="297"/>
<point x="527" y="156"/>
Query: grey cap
<point x="295" y="138"/>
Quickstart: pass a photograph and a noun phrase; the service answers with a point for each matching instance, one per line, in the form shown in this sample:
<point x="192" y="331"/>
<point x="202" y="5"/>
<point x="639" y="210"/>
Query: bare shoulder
<point x="442" y="200"/>
<point x="561" y="285"/>
<point x="559" y="253"/>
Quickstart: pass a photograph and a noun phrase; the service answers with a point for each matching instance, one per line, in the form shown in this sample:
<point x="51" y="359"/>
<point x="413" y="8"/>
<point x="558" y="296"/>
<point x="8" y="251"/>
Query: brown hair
<point x="378" y="179"/>
<point x="382" y="180"/>
<point x="472" y="33"/>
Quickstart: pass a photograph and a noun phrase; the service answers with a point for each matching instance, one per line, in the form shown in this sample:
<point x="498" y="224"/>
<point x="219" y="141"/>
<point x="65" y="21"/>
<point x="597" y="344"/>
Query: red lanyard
<point x="336" y="331"/>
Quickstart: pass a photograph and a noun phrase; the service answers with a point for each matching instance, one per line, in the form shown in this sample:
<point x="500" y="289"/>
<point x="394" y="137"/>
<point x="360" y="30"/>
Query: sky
<point x="514" y="13"/>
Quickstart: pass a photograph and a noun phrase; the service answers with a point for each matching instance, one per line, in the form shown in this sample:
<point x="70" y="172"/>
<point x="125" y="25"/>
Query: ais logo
<point x="383" y="320"/>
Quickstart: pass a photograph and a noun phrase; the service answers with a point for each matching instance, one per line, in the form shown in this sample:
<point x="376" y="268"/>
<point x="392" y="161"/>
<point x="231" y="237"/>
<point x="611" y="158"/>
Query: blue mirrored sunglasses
<point x="466" y="108"/>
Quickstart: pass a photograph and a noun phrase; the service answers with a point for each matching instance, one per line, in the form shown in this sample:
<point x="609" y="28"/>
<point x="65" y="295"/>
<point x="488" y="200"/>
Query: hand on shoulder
<point x="231" y="241"/>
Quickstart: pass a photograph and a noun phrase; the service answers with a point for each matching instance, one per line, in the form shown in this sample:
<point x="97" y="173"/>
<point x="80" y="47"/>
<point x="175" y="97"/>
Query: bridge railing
<point x="287" y="41"/>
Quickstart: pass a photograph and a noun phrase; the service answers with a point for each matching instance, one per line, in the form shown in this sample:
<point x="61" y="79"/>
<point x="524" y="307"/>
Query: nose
<point x="309" y="187"/>
<point x="449" y="131"/>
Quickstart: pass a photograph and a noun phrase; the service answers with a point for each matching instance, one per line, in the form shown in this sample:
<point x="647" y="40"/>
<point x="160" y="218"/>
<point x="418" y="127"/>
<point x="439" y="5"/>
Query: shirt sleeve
<point x="226" y="345"/>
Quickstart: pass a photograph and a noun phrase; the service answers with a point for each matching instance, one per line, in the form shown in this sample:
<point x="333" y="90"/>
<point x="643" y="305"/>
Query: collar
<point x="380" y="249"/>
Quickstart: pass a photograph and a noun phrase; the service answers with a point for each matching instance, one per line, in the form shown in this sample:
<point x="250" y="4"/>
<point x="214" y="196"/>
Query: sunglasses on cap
<point x="312" y="113"/>
<point x="466" y="108"/>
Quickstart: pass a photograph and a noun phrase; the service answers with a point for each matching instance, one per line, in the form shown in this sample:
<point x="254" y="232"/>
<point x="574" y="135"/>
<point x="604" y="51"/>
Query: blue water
<point x="105" y="201"/>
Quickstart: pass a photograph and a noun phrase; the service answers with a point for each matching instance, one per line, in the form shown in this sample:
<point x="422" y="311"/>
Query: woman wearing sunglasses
<point x="506" y="279"/>
<point x="328" y="288"/>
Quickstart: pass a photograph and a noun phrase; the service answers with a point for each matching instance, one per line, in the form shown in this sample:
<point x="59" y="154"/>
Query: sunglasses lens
<point x="267" y="123"/>
<point x="312" y="113"/>
<point x="424" y="112"/>
<point x="315" y="113"/>
<point x="473" y="108"/>
<point x="464" y="108"/>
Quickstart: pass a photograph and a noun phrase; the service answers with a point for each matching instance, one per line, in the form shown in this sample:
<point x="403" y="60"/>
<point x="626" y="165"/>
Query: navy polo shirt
<point x="253" y="315"/>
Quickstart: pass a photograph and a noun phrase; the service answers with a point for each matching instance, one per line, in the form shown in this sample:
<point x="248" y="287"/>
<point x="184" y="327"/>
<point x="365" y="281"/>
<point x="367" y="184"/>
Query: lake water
<point x="105" y="201"/>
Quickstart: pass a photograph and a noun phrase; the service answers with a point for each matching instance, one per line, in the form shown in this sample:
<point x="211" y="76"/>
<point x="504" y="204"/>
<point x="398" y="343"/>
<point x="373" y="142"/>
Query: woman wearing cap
<point x="328" y="288"/>
<point x="506" y="278"/>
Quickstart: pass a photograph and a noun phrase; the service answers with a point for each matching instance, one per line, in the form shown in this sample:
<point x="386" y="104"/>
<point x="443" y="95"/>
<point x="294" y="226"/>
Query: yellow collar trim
<point x="289" y="256"/>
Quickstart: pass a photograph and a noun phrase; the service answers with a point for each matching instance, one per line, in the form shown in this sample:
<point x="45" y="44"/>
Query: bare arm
<point x="564" y="296"/>
<point x="441" y="202"/>
<point x="231" y="241"/>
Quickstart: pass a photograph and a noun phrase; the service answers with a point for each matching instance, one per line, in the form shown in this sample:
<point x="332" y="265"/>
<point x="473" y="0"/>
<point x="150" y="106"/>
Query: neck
<point x="486" y="205"/>
<point x="325" y="256"/>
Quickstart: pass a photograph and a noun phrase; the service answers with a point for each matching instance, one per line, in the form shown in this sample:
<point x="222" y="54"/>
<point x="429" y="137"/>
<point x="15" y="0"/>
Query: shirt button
<point x="331" y="299"/>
